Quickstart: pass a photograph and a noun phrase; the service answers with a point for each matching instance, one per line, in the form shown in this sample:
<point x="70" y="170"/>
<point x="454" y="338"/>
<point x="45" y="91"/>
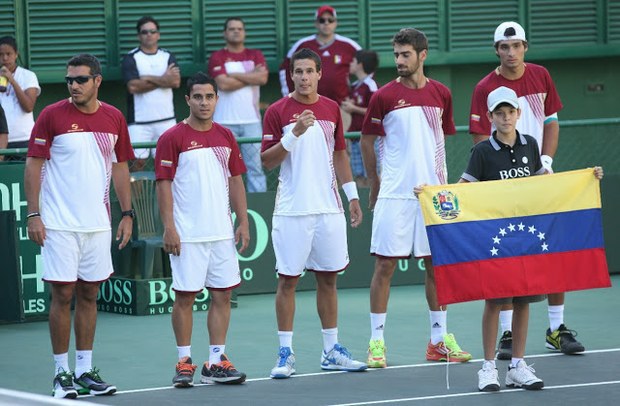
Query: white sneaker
<point x="522" y="376"/>
<point x="339" y="358"/>
<point x="285" y="364"/>
<point x="488" y="380"/>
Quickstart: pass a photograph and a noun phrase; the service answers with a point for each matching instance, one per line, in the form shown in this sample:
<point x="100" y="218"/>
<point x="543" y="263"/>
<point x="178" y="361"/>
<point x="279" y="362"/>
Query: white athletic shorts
<point x="69" y="256"/>
<point x="316" y="242"/>
<point x="213" y="265"/>
<point x="398" y="229"/>
<point x="148" y="133"/>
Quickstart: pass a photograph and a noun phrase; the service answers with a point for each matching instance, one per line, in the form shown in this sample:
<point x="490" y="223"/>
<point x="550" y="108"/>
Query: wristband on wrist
<point x="288" y="141"/>
<point x="350" y="189"/>
<point x="33" y="214"/>
<point x="546" y="160"/>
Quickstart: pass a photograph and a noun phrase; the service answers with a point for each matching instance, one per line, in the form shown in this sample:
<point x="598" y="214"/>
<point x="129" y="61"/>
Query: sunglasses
<point x="79" y="79"/>
<point x="326" y="20"/>
<point x="145" y="32"/>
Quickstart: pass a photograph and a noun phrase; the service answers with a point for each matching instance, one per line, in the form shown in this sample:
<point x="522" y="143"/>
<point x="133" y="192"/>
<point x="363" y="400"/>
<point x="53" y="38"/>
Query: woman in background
<point x="18" y="94"/>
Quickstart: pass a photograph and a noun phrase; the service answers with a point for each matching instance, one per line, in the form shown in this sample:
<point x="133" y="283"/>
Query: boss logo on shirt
<point x="520" y="172"/>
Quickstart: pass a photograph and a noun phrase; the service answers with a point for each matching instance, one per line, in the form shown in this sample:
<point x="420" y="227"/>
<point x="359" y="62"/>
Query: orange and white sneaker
<point x="446" y="350"/>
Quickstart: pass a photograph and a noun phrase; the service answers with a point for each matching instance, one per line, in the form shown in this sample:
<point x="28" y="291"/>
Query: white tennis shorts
<point x="69" y="256"/>
<point x="316" y="242"/>
<point x="148" y="133"/>
<point x="398" y="229"/>
<point x="211" y="264"/>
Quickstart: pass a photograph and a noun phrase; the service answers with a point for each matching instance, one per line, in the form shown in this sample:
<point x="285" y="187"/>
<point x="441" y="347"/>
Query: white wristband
<point x="546" y="161"/>
<point x="350" y="189"/>
<point x="288" y="141"/>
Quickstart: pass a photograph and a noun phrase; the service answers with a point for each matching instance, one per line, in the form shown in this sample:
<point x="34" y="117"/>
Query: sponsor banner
<point x="145" y="297"/>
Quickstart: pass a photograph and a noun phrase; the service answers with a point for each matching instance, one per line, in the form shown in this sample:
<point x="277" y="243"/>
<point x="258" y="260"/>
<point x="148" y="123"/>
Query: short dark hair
<point x="306" y="53"/>
<point x="8" y="40"/>
<point x="229" y="19"/>
<point x="368" y="59"/>
<point x="86" y="60"/>
<point x="200" y="78"/>
<point x="410" y="36"/>
<point x="144" y="20"/>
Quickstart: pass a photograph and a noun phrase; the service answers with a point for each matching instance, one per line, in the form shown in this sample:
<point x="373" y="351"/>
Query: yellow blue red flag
<point x="507" y="238"/>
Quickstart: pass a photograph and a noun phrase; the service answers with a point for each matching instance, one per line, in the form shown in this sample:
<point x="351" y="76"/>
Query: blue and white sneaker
<point x="340" y="359"/>
<point x="285" y="364"/>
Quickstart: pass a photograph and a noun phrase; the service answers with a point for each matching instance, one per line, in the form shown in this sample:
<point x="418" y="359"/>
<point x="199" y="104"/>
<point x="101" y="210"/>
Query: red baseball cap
<point x="325" y="9"/>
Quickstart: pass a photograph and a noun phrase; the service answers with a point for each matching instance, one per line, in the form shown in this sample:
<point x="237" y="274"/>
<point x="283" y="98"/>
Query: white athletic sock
<point x="330" y="338"/>
<point x="556" y="316"/>
<point x="505" y="320"/>
<point x="215" y="353"/>
<point x="61" y="363"/>
<point x="489" y="362"/>
<point x="184" y="351"/>
<point x="377" y="325"/>
<point x="83" y="362"/>
<point x="514" y="362"/>
<point x="438" y="325"/>
<point x="286" y="339"/>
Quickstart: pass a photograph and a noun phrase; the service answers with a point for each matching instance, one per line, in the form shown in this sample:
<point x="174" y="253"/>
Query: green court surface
<point x="138" y="354"/>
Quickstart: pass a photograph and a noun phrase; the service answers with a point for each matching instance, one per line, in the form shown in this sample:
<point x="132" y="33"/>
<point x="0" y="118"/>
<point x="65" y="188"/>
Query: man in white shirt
<point x="77" y="146"/>
<point x="150" y="74"/>
<point x="303" y="134"/>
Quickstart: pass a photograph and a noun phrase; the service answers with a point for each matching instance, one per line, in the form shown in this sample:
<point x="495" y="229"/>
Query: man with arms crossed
<point x="540" y="103"/>
<point x="150" y="74"/>
<point x="410" y="116"/>
<point x="239" y="72"/>
<point x="303" y="135"/>
<point x="336" y="53"/>
<point x="81" y="143"/>
<point x="198" y="169"/>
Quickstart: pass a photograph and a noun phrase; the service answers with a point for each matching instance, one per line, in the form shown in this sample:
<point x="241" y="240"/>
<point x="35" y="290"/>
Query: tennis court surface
<point x="138" y="355"/>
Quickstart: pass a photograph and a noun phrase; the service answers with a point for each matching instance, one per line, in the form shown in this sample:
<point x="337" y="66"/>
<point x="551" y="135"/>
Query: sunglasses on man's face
<point x="326" y="20"/>
<point x="79" y="79"/>
<point x="145" y="32"/>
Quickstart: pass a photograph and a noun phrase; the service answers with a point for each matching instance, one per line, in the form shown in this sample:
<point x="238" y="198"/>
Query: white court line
<point x="425" y="365"/>
<point x="12" y="395"/>
<point x="478" y="393"/>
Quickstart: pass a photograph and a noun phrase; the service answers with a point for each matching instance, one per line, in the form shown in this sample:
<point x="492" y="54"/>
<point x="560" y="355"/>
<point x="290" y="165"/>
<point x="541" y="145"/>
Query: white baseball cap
<point x="501" y="95"/>
<point x="509" y="30"/>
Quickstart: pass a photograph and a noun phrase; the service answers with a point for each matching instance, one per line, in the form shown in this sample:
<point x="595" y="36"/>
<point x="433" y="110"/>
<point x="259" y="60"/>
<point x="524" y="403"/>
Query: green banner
<point x="12" y="197"/>
<point x="145" y="297"/>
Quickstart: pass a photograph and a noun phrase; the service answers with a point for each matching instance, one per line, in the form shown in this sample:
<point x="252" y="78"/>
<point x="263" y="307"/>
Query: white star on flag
<point x="544" y="246"/>
<point x="502" y="231"/>
<point x="511" y="227"/>
<point x="496" y="240"/>
<point x="493" y="251"/>
<point x="521" y="226"/>
<point x="541" y="236"/>
<point x="531" y="229"/>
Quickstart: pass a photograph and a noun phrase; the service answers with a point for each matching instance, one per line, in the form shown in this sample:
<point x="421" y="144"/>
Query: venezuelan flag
<point x="527" y="236"/>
